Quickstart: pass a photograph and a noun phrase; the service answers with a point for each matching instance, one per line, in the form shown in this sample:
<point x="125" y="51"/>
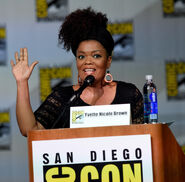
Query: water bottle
<point x="150" y="101"/>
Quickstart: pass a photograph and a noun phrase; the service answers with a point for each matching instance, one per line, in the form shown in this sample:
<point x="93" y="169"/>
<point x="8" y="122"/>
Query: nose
<point x="89" y="60"/>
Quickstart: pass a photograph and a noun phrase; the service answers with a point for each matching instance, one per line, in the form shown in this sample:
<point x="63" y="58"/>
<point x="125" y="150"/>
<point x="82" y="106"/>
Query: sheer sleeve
<point x="54" y="104"/>
<point x="129" y="93"/>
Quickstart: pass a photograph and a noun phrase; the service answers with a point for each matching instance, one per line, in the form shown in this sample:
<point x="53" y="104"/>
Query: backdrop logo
<point x="2" y="45"/>
<point x="51" y="10"/>
<point x="183" y="149"/>
<point x="52" y="77"/>
<point x="2" y="33"/>
<point x="175" y="80"/>
<point x="173" y="8"/>
<point x="4" y="130"/>
<point x="123" y="37"/>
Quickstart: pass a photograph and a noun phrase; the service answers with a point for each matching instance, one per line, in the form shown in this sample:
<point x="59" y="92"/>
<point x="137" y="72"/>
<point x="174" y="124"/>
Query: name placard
<point x="100" y="115"/>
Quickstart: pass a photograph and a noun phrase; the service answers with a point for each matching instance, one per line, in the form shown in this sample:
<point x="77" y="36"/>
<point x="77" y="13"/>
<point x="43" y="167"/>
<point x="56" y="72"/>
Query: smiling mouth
<point x="89" y="70"/>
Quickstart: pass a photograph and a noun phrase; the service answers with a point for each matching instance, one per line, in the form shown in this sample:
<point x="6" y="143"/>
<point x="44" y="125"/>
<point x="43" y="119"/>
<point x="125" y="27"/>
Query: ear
<point x="109" y="61"/>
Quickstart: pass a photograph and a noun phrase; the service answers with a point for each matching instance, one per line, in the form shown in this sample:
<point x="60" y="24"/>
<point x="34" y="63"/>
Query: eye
<point x="80" y="57"/>
<point x="97" y="56"/>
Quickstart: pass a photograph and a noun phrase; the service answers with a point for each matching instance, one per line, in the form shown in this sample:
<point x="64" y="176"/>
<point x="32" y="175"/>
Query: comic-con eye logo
<point x="77" y="116"/>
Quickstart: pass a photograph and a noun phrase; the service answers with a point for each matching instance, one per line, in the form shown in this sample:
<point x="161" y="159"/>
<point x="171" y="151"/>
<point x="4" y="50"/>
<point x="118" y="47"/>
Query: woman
<point x="84" y="32"/>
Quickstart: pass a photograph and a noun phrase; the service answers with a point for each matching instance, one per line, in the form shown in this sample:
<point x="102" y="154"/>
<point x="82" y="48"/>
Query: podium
<point x="168" y="160"/>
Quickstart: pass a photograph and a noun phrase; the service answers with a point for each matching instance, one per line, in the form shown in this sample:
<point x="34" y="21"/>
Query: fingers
<point x="25" y="53"/>
<point x="16" y="57"/>
<point x="12" y="63"/>
<point x="21" y="54"/>
<point x="33" y="65"/>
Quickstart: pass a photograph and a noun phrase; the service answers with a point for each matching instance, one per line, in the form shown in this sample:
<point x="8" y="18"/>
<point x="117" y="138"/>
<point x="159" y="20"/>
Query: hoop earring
<point x="108" y="77"/>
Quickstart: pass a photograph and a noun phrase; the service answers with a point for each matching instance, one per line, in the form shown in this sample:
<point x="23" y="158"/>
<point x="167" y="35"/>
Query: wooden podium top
<point x="168" y="158"/>
<point x="135" y="129"/>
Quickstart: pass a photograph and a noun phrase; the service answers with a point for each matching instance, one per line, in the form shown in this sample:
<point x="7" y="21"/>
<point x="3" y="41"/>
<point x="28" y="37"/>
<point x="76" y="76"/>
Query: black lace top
<point x="55" y="104"/>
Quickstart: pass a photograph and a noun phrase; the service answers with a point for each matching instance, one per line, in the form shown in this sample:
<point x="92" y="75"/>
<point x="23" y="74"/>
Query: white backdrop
<point x="156" y="39"/>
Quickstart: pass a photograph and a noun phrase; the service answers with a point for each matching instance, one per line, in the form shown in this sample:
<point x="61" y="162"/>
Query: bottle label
<point x="153" y="116"/>
<point x="153" y="104"/>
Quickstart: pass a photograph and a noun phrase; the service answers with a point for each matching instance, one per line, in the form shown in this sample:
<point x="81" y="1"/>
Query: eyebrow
<point x="89" y="51"/>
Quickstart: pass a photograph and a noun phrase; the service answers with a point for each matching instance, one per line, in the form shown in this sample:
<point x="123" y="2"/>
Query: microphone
<point x="89" y="80"/>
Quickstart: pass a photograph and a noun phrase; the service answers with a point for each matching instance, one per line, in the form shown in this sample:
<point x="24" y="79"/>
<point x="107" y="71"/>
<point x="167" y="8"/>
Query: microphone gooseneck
<point x="89" y="80"/>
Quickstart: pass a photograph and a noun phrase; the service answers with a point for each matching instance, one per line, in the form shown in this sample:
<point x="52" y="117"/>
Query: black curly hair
<point x="85" y="24"/>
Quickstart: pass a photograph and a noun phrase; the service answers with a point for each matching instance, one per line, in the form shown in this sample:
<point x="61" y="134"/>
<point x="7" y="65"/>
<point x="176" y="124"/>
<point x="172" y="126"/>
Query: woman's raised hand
<point x="20" y="69"/>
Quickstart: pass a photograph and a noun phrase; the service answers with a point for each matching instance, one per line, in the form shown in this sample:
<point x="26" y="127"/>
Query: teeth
<point x="87" y="70"/>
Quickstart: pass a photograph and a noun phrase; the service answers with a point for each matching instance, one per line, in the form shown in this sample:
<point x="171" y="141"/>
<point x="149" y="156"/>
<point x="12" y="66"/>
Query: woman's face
<point x="91" y="59"/>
